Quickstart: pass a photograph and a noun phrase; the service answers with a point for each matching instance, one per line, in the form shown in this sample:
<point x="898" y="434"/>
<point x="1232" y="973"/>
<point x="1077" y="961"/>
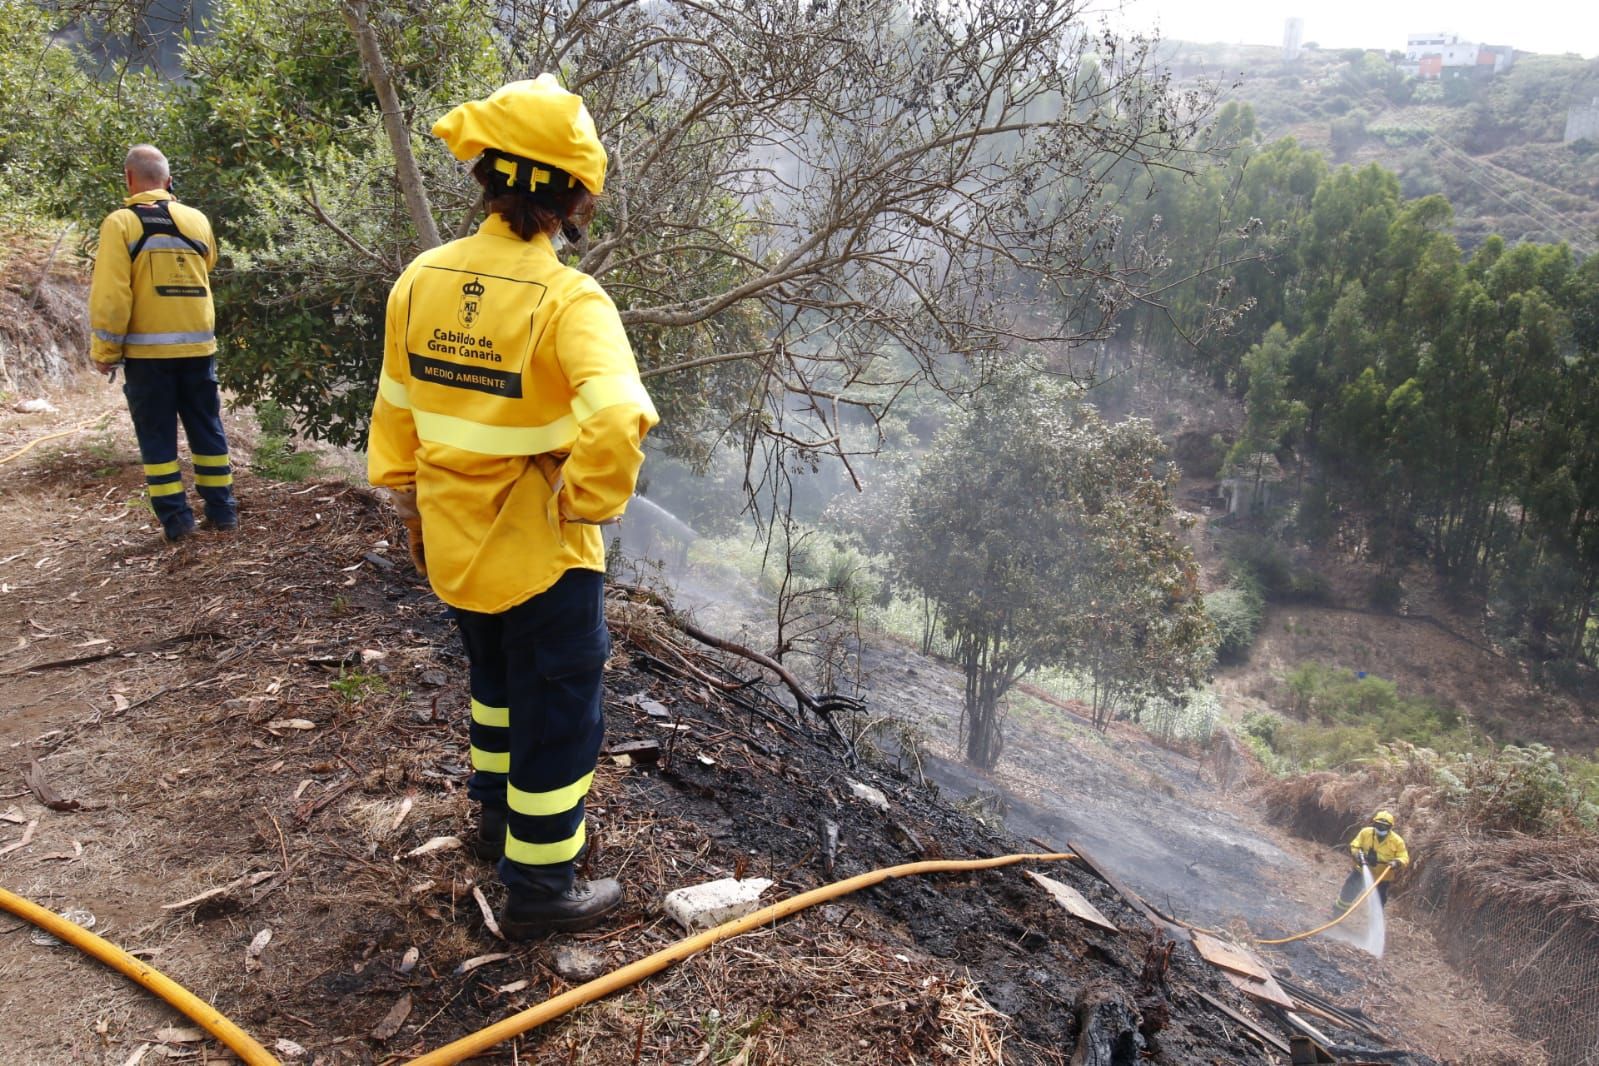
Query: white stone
<point x="578" y="964"/>
<point x="714" y="903"/>
<point x="871" y="795"/>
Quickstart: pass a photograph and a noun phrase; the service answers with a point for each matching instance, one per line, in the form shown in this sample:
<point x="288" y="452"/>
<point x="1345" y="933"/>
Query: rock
<point x="871" y="795"/>
<point x="578" y="965"/>
<point x="711" y="904"/>
<point x="39" y="406"/>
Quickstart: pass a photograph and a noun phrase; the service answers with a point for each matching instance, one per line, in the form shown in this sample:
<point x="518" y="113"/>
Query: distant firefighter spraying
<point x="1375" y="846"/>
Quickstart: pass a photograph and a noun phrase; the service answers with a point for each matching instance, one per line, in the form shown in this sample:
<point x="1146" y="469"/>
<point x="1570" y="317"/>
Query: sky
<point x="1530" y="25"/>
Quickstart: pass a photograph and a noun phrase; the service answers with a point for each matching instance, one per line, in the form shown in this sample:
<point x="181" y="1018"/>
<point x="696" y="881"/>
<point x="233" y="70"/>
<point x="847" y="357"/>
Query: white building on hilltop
<point x="1429" y="55"/>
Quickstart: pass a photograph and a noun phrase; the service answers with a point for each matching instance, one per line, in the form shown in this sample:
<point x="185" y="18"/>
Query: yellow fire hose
<point x="80" y="427"/>
<point x="255" y="1055"/>
<point x="1347" y="912"/>
<point x="634" y="972"/>
<point x="148" y="976"/>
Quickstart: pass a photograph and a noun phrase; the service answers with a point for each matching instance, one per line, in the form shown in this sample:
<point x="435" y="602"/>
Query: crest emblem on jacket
<point x="471" y="300"/>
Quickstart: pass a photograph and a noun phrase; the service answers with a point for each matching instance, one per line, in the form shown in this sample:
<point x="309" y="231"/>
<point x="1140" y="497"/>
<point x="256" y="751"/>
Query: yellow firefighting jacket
<point x="1391" y="850"/>
<point x="151" y="293"/>
<point x="496" y="352"/>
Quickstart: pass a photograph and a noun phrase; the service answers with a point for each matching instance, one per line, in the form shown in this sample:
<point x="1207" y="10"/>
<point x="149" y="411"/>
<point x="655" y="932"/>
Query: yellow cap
<point x="535" y="119"/>
<point x="1383" y="818"/>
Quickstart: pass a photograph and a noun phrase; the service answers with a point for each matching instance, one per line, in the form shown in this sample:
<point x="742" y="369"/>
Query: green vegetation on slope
<point x="1491" y="144"/>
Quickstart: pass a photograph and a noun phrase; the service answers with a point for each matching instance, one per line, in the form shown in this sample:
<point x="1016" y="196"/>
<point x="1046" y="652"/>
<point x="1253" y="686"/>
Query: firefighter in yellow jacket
<point x="1376" y="846"/>
<point x="150" y="312"/>
<point x="508" y="424"/>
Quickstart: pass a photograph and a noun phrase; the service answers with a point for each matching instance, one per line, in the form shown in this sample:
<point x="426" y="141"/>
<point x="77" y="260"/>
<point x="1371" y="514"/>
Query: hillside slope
<point x="1493" y="146"/>
<point x="257" y="730"/>
<point x="286" y="707"/>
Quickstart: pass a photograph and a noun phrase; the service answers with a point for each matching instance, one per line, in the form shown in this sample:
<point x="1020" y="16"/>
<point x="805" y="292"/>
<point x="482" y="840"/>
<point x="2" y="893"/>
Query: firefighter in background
<point x="508" y="426"/>
<point x="1374" y="847"/>
<point x="150" y="312"/>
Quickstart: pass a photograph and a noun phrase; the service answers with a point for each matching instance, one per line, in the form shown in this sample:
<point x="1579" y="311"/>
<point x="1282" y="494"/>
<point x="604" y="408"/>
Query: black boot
<point x="488" y="842"/>
<point x="582" y="906"/>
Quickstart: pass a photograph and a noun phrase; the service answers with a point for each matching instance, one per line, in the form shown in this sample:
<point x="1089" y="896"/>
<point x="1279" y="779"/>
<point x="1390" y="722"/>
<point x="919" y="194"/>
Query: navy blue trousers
<point x="536" y="674"/>
<point x="161" y="393"/>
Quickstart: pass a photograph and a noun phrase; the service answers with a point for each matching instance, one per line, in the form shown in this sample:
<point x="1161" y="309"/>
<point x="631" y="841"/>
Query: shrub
<point x="1308" y="586"/>
<point x="1316" y="747"/>
<point x="1200" y="455"/>
<point x="1315" y="520"/>
<point x="1262" y="725"/>
<point x="1264" y="559"/>
<point x="275" y="456"/>
<point x="1386" y="593"/>
<point x="1583" y="775"/>
<point x="1236" y="611"/>
<point x="1520" y="789"/>
<point x="1334" y="697"/>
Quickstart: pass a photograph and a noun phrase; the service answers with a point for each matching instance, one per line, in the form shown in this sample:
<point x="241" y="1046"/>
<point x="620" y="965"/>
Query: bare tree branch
<point x="410" y="175"/>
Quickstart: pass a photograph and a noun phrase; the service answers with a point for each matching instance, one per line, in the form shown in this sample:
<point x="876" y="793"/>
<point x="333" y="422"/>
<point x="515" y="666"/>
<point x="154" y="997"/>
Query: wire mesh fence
<point x="1540" y="962"/>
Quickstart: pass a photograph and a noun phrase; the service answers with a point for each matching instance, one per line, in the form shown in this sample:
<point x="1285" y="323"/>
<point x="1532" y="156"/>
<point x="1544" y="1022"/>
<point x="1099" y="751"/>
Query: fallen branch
<point x="151" y="645"/>
<point x="40" y="787"/>
<point x="247" y="881"/>
<point x="1155" y="918"/>
<point x="1265" y="1036"/>
<point x="306" y="811"/>
<point x="822" y="706"/>
<point x="23" y="841"/>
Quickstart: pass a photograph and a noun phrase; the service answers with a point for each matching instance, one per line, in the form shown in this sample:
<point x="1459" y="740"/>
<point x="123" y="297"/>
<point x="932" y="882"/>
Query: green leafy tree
<point x="1046" y="537"/>
<point x="66" y="132"/>
<point x="1272" y="418"/>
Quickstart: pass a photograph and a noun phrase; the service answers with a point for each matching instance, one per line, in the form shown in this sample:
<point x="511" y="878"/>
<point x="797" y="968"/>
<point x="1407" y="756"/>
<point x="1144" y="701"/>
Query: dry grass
<point x="1559" y="876"/>
<point x="813" y="993"/>
<point x="195" y="787"/>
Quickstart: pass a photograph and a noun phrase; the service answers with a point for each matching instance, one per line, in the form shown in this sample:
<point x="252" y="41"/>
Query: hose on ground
<point x="79" y="428"/>
<point x="634" y="972"/>
<point x="255" y="1055"/>
<point x="196" y="1008"/>
<point x="1347" y="912"/>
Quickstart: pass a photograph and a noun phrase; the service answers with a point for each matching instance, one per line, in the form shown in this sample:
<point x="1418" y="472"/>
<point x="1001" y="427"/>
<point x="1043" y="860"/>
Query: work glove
<point x="405" y="506"/>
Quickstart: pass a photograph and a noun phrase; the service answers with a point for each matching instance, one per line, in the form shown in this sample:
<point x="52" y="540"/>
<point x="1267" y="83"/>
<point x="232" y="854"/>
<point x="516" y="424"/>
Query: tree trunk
<point x="1580" y="633"/>
<point x="407" y="172"/>
<point x="984" y="686"/>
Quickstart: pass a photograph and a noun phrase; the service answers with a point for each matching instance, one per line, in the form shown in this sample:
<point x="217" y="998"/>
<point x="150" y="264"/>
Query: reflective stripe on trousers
<point x="161" y="393"/>
<point x="536" y="726"/>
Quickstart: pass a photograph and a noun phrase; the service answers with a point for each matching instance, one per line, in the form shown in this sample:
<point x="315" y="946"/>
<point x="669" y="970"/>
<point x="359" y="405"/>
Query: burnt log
<point x="1107" y="1027"/>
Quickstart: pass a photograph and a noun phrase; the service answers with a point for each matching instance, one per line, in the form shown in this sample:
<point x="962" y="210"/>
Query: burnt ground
<point x="283" y="711"/>
<point x="1184" y="830"/>
<point x="280" y="714"/>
